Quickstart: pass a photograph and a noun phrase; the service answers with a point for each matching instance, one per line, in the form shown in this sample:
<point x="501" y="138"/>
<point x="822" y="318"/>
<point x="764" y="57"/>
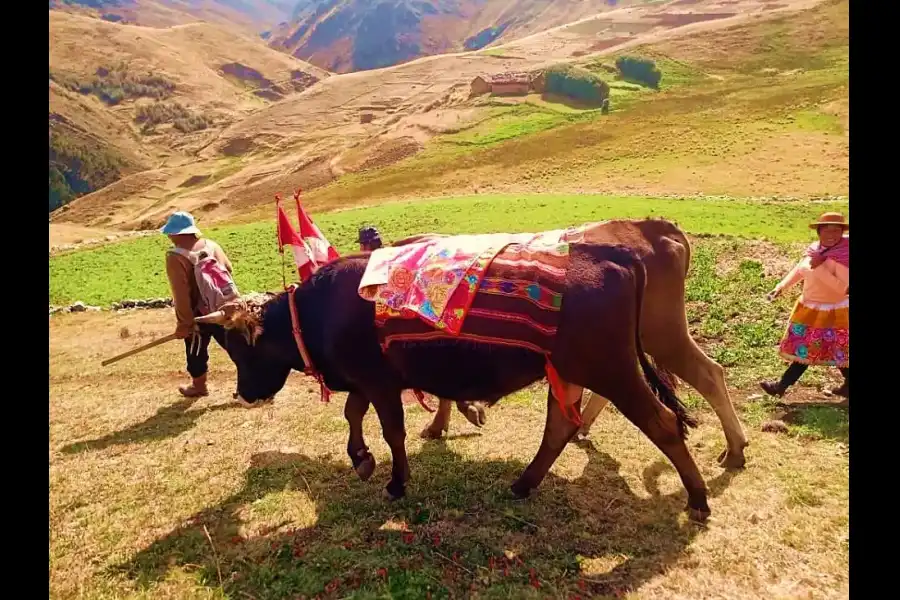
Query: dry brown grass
<point x="166" y="13"/>
<point x="191" y="58"/>
<point x="65" y="233"/>
<point x="190" y="55"/>
<point x="139" y="476"/>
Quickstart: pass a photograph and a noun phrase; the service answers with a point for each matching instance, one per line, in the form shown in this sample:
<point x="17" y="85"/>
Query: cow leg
<point x="558" y="430"/>
<point x="440" y="423"/>
<point x="354" y="411"/>
<point x="595" y="405"/>
<point x="473" y="412"/>
<point x="634" y="399"/>
<point x="686" y="360"/>
<point x="389" y="406"/>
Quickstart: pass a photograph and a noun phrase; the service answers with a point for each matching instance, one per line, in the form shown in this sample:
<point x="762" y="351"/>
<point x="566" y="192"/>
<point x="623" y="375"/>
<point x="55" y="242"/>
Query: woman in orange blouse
<point x="818" y="332"/>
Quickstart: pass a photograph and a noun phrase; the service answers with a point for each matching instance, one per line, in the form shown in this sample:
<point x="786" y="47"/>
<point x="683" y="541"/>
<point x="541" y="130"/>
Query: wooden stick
<point x="140" y="349"/>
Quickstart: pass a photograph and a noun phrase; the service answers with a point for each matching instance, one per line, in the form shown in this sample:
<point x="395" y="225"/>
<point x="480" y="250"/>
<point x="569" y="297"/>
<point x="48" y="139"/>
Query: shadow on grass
<point x="826" y="420"/>
<point x="168" y="421"/>
<point x="461" y="533"/>
<point x="568" y="102"/>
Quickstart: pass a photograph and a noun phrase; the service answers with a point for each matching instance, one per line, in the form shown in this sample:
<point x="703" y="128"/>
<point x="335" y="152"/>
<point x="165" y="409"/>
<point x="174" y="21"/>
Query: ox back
<point x="508" y="332"/>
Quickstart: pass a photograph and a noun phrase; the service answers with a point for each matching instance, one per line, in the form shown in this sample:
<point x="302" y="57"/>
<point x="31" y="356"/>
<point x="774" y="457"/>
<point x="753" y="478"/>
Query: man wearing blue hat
<point x="194" y="257"/>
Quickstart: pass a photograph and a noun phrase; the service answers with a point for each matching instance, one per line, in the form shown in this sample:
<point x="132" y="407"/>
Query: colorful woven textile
<point x="818" y="334"/>
<point x="437" y="280"/>
<point x="516" y="302"/>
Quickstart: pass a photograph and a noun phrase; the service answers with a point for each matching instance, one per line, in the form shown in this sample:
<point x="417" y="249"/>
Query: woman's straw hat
<point x="831" y="218"/>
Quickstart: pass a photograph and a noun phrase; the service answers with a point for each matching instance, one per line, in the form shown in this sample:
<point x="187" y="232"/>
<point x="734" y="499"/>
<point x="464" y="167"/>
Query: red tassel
<point x="421" y="398"/>
<point x="323" y="389"/>
<point x="559" y="392"/>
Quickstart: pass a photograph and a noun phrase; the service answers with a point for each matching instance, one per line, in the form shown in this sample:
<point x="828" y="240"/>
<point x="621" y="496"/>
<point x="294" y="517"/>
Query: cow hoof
<point x="365" y="468"/>
<point x="698" y="515"/>
<point x="732" y="459"/>
<point x="579" y="437"/>
<point x="431" y="433"/>
<point x="475" y="415"/>
<point x="393" y="492"/>
<point x="520" y="490"/>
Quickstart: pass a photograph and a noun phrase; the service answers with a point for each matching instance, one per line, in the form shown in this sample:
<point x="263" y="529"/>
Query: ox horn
<point x="217" y="317"/>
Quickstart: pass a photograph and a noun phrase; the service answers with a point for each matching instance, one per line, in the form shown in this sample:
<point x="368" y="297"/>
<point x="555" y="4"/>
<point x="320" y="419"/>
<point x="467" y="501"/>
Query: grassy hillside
<point x="89" y="146"/>
<point x="134" y="269"/>
<point x="80" y="163"/>
<point x="760" y="108"/>
<point x="709" y="129"/>
<point x="157" y="94"/>
<point x="250" y="16"/>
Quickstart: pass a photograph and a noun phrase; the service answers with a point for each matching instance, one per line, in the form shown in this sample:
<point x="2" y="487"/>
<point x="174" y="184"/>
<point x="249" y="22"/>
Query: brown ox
<point x="602" y="292"/>
<point x="666" y="254"/>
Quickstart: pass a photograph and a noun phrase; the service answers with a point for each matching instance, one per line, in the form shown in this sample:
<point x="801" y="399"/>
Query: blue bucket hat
<point x="180" y="223"/>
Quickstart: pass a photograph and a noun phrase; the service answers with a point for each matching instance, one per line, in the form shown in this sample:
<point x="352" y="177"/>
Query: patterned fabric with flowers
<point x="818" y="335"/>
<point x="437" y="280"/>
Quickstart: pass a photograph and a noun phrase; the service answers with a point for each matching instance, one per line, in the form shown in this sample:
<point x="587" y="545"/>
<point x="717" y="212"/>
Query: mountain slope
<point x="253" y="16"/>
<point x="89" y="147"/>
<point x="138" y="96"/>
<point x="361" y="123"/>
<point x="353" y="35"/>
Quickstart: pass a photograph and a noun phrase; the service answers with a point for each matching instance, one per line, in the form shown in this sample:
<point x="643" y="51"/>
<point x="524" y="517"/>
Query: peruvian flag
<point x="322" y="251"/>
<point x="311" y="249"/>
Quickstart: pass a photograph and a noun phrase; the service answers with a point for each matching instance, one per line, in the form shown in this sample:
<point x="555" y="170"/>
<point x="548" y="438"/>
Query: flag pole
<point x="280" y="246"/>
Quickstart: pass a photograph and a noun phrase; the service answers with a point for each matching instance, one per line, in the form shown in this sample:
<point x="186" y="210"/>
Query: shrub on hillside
<point x="181" y="118"/>
<point x="576" y="83"/>
<point x="640" y="70"/>
<point x="193" y="122"/>
<point x="79" y="166"/>
<point x="116" y="84"/>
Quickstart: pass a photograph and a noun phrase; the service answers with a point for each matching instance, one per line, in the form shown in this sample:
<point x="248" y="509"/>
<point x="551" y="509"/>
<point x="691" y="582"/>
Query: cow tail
<point x="657" y="379"/>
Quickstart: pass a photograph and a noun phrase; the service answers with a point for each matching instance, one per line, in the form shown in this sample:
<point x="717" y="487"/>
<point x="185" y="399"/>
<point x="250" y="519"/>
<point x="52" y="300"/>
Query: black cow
<point x="596" y="346"/>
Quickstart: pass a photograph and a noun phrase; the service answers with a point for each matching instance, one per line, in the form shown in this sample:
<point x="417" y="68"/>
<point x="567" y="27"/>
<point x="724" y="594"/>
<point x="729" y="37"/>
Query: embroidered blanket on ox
<point x="437" y="281"/>
<point x="516" y="303"/>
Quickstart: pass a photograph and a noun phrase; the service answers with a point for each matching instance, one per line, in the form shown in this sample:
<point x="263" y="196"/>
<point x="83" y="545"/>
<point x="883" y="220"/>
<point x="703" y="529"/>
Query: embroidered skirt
<point x="818" y="334"/>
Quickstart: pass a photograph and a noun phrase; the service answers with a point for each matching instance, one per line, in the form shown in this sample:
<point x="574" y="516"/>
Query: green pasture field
<point x="136" y="268"/>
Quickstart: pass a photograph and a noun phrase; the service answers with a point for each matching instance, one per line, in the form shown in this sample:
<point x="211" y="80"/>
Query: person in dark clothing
<point x="369" y="239"/>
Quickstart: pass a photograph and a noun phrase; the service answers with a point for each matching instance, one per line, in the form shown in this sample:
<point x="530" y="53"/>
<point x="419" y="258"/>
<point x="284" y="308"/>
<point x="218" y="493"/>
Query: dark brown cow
<point x="666" y="254"/>
<point x="596" y="346"/>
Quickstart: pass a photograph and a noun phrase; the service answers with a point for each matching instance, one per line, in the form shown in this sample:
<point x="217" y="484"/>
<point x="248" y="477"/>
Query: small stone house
<point x="511" y="84"/>
<point x="502" y="84"/>
<point x="481" y="85"/>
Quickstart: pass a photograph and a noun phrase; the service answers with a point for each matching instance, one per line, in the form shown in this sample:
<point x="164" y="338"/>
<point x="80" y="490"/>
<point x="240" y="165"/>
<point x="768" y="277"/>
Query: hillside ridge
<point x="312" y="138"/>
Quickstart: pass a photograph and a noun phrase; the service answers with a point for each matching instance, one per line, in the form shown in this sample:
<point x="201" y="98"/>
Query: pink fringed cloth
<point x="840" y="252"/>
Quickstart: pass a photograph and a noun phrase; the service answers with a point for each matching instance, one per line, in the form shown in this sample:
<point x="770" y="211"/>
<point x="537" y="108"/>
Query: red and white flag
<point x="310" y="248"/>
<point x="322" y="251"/>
